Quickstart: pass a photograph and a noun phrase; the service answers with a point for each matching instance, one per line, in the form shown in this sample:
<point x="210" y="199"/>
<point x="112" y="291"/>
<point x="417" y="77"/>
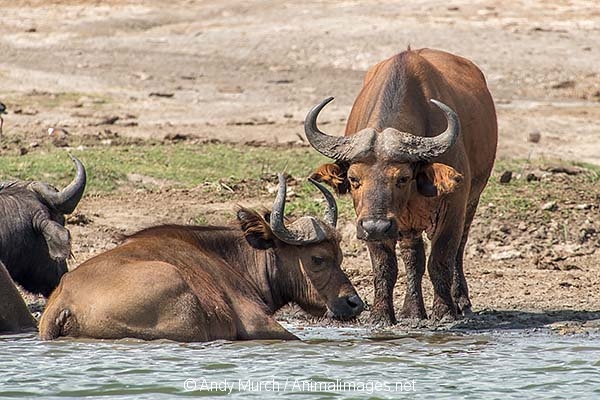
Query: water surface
<point x="331" y="363"/>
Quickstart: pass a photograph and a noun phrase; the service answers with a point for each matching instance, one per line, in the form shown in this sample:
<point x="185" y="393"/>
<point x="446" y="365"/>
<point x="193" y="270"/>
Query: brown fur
<point x="191" y="283"/>
<point x="14" y="315"/>
<point x="440" y="197"/>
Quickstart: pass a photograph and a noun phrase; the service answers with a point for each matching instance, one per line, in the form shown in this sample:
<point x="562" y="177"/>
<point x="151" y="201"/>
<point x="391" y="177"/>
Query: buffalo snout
<point x="346" y="307"/>
<point x="376" y="229"/>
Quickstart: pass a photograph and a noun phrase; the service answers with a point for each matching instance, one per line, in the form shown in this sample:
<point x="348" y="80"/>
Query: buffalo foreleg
<point x="412" y="252"/>
<point x="385" y="271"/>
<point x="460" y="290"/>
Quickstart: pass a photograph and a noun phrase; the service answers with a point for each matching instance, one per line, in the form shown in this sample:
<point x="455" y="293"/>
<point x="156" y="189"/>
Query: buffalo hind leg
<point x="385" y="271"/>
<point x="412" y="252"/>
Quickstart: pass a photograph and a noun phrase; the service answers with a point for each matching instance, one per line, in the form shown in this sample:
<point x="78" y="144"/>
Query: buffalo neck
<point x="287" y="281"/>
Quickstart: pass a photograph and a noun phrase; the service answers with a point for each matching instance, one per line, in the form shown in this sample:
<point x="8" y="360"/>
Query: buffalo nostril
<point x="355" y="302"/>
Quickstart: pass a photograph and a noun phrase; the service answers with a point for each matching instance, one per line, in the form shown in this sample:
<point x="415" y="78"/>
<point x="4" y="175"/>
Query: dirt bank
<point x="248" y="72"/>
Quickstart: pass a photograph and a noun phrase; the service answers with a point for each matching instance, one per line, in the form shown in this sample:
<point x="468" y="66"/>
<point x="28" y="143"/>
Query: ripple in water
<point x="330" y="363"/>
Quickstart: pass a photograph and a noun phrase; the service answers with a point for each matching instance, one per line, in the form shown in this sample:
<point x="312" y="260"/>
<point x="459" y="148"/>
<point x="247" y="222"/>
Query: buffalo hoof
<point x="413" y="309"/>
<point x="466" y="311"/>
<point x="412" y="314"/>
<point x="443" y="313"/>
<point x="382" y="317"/>
<point x="463" y="305"/>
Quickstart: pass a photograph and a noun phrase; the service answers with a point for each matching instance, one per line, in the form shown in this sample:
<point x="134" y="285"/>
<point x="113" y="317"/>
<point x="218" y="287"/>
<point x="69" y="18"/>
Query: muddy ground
<point x="248" y="72"/>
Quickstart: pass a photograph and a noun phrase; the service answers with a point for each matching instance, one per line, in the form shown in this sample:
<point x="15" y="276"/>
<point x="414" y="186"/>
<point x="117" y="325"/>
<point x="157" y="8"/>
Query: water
<point x="331" y="363"/>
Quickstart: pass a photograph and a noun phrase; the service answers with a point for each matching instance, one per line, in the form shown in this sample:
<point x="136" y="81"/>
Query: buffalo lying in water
<point x="14" y="315"/>
<point x="34" y="243"/>
<point x="201" y="283"/>
<point x="418" y="150"/>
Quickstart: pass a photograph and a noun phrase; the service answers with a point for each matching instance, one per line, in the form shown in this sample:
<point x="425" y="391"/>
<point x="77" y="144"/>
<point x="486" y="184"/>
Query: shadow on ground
<point x="562" y="321"/>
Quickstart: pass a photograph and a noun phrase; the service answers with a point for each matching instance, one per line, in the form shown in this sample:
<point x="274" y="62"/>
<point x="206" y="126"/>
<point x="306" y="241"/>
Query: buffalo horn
<point x="305" y="230"/>
<point x="332" y="212"/>
<point x="340" y="148"/>
<point x="411" y="148"/>
<point x="276" y="220"/>
<point x="66" y="200"/>
<point x="399" y="146"/>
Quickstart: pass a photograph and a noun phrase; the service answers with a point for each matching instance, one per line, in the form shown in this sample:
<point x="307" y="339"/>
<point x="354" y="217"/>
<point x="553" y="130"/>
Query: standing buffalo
<point x="418" y="150"/>
<point x="14" y="315"/>
<point x="201" y="283"/>
<point x="34" y="244"/>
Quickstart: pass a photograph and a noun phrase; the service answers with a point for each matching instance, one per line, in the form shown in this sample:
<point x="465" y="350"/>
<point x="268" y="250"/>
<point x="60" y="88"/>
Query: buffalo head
<point x="382" y="170"/>
<point x="309" y="258"/>
<point x="33" y="240"/>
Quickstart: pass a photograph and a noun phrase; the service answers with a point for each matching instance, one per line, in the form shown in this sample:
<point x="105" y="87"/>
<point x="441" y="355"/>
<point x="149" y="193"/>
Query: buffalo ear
<point x="256" y="228"/>
<point x="437" y="179"/>
<point x="335" y="175"/>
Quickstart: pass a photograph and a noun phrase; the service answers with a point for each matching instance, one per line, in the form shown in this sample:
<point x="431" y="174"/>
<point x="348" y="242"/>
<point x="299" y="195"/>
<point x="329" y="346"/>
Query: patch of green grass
<point x="186" y="165"/>
<point x="520" y="196"/>
<point x="182" y="165"/>
<point x="310" y="201"/>
<point x="512" y="196"/>
<point x="592" y="171"/>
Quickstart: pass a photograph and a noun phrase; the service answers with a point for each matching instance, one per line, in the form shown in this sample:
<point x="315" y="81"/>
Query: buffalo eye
<point x="318" y="260"/>
<point x="402" y="180"/>
<point x="354" y="182"/>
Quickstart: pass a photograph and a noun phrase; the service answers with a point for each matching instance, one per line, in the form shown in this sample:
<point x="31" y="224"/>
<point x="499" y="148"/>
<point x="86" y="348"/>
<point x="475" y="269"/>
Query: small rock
<point x="534" y="137"/>
<point x="108" y="120"/>
<point x="59" y="137"/>
<point x="142" y="76"/>
<point x="176" y="137"/>
<point x="505" y="229"/>
<point x="161" y="94"/>
<point x="230" y="89"/>
<point x="569" y="267"/>
<point x="550" y="206"/>
<point x="506" y="255"/>
<point x="532" y="176"/>
<point x="506" y="177"/>
<point x="564" y="85"/>
<point x="561" y="169"/>
<point x="79" y="219"/>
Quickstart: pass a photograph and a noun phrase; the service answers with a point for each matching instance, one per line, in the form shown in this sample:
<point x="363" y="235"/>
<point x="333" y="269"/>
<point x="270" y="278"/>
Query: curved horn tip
<point x="281" y="178"/>
<point x="330" y="146"/>
<point x="331" y="216"/>
<point x="77" y="163"/>
<point x="325" y="101"/>
<point x="75" y="159"/>
<point x="311" y="117"/>
<point x="442" y="106"/>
